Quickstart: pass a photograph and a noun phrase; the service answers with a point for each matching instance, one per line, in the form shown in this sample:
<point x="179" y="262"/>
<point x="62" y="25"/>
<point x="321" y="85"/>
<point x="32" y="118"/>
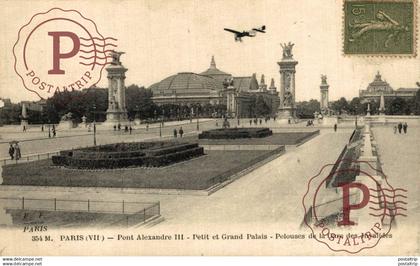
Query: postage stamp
<point x="379" y="27"/>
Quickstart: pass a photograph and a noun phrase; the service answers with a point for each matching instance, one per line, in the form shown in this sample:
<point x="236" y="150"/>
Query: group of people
<point x="126" y="128"/>
<point x="401" y="127"/>
<point x="14" y="151"/>
<point x="51" y="129"/>
<point x="309" y="123"/>
<point x="180" y="132"/>
<point x="256" y="120"/>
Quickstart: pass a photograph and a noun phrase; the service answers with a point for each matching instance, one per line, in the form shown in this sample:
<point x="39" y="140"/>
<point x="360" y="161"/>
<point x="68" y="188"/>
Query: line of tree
<point x="93" y="105"/>
<point x="357" y="106"/>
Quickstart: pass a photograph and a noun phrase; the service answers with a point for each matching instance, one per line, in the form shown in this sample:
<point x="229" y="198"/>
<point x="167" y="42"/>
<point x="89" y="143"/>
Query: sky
<point x="162" y="38"/>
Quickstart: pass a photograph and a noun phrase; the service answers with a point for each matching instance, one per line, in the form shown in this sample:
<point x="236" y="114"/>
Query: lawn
<point x="283" y="138"/>
<point x="198" y="173"/>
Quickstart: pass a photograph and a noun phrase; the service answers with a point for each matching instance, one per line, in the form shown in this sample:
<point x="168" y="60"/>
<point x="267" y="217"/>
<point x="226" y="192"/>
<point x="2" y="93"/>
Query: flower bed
<point x="235" y="133"/>
<point x="121" y="155"/>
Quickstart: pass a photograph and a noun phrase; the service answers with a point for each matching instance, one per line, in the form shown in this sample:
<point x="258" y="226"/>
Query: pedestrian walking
<point x="181" y="132"/>
<point x="395" y="129"/>
<point x="11" y="151"/>
<point x="119" y="127"/>
<point x="115" y="128"/>
<point x="54" y="132"/>
<point x="250" y="122"/>
<point x="17" y="152"/>
<point x="24" y="128"/>
<point x="147" y="126"/>
<point x="175" y="133"/>
<point x="130" y="129"/>
<point x="399" y="127"/>
<point x="405" y="126"/>
<point x="335" y="127"/>
<point x="42" y="127"/>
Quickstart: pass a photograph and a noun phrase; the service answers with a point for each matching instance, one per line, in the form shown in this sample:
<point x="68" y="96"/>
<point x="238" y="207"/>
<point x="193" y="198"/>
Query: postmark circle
<point x="59" y="51"/>
<point x="353" y="215"/>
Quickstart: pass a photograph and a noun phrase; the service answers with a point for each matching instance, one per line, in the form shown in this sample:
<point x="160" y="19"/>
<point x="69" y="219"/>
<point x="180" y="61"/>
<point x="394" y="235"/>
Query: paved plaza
<point x="399" y="154"/>
<point x="270" y="193"/>
<point x="35" y="141"/>
<point x="268" y="198"/>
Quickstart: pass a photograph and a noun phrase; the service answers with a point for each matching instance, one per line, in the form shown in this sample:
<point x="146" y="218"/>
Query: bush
<point x="123" y="155"/>
<point x="235" y="133"/>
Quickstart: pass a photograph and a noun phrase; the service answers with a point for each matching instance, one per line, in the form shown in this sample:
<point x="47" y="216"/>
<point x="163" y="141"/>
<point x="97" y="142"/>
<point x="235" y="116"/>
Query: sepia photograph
<point x="209" y="128"/>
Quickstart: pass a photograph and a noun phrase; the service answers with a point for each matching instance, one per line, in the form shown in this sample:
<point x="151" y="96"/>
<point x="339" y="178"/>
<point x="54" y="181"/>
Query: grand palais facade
<point x="209" y="87"/>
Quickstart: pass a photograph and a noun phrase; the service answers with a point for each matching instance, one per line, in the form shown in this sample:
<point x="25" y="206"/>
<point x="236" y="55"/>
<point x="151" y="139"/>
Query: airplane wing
<point x="233" y="31"/>
<point x="262" y="29"/>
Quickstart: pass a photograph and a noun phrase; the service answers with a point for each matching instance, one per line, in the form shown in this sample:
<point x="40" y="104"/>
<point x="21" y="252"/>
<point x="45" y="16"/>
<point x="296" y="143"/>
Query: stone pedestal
<point x="65" y="125"/>
<point x="286" y="113"/>
<point x="231" y="101"/>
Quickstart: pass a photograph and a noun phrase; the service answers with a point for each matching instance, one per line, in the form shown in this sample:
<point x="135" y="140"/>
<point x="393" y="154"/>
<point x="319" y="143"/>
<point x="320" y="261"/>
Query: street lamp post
<point x="191" y="114"/>
<point x="49" y="128"/>
<point x="137" y="115"/>
<point x="198" y="123"/>
<point x="94" y="125"/>
<point x="161" y="123"/>
<point x="355" y="122"/>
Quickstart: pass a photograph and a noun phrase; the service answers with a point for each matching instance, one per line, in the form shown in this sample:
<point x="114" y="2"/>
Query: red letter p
<point x="56" y="49"/>
<point x="346" y="201"/>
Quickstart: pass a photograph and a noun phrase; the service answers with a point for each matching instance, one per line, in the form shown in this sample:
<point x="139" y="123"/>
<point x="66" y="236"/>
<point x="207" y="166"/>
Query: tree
<point x="307" y="109"/>
<point x="90" y="103"/>
<point x="261" y="107"/>
<point x="139" y="102"/>
<point x="356" y="107"/>
<point x="10" y="114"/>
<point x="399" y="106"/>
<point x="417" y="103"/>
<point x="340" y="106"/>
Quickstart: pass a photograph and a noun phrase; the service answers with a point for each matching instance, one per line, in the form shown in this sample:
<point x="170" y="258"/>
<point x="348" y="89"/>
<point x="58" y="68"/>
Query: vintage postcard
<point x="194" y="127"/>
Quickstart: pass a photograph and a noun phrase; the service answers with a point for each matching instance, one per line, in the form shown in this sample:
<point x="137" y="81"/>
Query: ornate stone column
<point x="324" y="95"/>
<point x="230" y="93"/>
<point x="24" y="117"/>
<point x="116" y="112"/>
<point x="382" y="105"/>
<point x="287" y="109"/>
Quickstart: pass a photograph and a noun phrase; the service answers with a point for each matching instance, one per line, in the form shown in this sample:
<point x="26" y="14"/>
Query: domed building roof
<point x="186" y="83"/>
<point x="379" y="85"/>
<point x="215" y="73"/>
